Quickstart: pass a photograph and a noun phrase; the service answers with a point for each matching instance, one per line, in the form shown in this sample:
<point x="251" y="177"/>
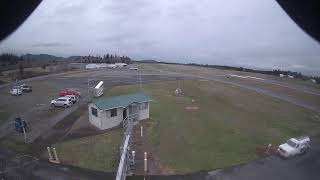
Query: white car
<point x="62" y="102"/>
<point x="16" y="91"/>
<point x="294" y="146"/>
<point x="73" y="98"/>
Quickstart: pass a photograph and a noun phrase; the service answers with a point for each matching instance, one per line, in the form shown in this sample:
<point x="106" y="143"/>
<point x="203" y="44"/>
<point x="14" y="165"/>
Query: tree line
<point x="11" y="61"/>
<point x="275" y="72"/>
<point x="106" y="58"/>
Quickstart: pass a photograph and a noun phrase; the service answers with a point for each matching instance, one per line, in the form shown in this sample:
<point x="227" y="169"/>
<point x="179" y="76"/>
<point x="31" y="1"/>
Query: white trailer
<point x="98" y="90"/>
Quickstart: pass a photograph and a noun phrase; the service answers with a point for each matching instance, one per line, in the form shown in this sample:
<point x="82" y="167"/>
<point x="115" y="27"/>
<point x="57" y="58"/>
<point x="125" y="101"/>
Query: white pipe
<point x="141" y="131"/>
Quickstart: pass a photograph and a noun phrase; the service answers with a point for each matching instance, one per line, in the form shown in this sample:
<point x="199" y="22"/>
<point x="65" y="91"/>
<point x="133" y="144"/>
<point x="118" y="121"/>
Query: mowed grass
<point x="100" y="152"/>
<point x="225" y="131"/>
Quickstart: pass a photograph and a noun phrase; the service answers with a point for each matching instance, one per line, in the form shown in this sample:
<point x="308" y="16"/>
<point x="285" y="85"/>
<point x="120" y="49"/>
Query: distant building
<point x="111" y="66"/>
<point x="120" y="64"/>
<point x="313" y="80"/>
<point x="77" y="65"/>
<point x="92" y="66"/>
<point x="290" y="76"/>
<point x="102" y="65"/>
<point x="106" y="113"/>
<point x="281" y="75"/>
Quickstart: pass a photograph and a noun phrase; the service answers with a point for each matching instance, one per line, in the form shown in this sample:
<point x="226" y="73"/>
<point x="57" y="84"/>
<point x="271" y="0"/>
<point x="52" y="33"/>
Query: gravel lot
<point x="35" y="107"/>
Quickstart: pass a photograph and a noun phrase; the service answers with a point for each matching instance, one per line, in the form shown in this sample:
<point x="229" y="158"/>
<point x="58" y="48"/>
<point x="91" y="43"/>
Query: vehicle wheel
<point x="304" y="150"/>
<point x="53" y="105"/>
<point x="65" y="106"/>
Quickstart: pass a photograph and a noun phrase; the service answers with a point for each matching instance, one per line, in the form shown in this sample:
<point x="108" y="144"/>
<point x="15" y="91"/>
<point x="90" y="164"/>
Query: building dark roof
<point x="120" y="101"/>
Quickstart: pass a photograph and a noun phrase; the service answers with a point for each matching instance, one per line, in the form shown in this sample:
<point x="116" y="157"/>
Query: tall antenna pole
<point x="140" y="80"/>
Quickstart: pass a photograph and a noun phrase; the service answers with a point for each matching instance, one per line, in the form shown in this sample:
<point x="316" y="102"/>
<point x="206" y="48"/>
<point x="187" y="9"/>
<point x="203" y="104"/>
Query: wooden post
<point x="50" y="155"/>
<point x="54" y="159"/>
<point x="56" y="155"/>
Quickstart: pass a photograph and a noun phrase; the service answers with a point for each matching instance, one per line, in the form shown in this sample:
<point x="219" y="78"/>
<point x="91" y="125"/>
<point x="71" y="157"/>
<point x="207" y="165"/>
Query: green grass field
<point x="225" y="130"/>
<point x="100" y="152"/>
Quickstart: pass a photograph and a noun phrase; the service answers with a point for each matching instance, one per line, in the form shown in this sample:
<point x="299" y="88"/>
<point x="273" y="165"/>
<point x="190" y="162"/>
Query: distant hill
<point x="42" y="57"/>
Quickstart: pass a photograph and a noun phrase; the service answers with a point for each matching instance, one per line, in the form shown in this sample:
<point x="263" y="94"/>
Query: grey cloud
<point x="247" y="33"/>
<point x="51" y="44"/>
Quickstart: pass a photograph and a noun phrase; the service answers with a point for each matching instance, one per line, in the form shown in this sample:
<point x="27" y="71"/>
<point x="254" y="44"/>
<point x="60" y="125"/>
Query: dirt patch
<point x="191" y="108"/>
<point x="68" y="121"/>
<point x="264" y="151"/>
<point x="140" y="144"/>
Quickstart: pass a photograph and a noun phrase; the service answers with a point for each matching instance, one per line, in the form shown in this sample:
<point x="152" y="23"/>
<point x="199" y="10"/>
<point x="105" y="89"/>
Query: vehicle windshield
<point x="291" y="143"/>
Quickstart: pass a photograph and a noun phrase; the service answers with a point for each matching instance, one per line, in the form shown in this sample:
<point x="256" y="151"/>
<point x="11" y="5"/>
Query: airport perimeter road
<point x="303" y="167"/>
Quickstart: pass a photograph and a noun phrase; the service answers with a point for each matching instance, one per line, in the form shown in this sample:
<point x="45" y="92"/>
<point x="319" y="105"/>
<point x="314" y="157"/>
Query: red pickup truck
<point x="69" y="92"/>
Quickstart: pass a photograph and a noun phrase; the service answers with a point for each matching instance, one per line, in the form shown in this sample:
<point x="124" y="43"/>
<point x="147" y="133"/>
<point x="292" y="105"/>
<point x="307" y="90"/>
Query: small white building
<point x="281" y="75"/>
<point x="106" y="113"/>
<point x="290" y="76"/>
<point x="313" y="80"/>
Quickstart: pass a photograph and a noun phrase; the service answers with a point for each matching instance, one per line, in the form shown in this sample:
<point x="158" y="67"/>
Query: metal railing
<point x="125" y="159"/>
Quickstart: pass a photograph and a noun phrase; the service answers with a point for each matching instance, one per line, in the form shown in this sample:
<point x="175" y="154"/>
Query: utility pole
<point x="88" y="88"/>
<point x="24" y="131"/>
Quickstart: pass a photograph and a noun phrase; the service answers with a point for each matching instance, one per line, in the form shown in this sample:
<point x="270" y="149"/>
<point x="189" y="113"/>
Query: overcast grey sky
<point x="252" y="33"/>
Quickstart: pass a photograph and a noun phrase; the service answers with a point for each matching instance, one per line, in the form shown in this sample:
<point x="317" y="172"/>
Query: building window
<point x="94" y="111"/>
<point x="144" y="105"/>
<point x="113" y="112"/>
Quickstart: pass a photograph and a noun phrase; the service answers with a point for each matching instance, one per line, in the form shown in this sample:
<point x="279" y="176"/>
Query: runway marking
<point x="245" y="77"/>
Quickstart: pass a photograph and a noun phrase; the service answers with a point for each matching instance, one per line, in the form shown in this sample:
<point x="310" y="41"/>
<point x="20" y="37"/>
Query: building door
<point x="134" y="111"/>
<point x="124" y="113"/>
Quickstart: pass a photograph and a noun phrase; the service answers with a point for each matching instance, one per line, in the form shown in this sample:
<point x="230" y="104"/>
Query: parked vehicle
<point x="73" y="98"/>
<point x="26" y="88"/>
<point x="62" y="102"/>
<point x="65" y="92"/>
<point x="294" y="146"/>
<point x="16" y="91"/>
